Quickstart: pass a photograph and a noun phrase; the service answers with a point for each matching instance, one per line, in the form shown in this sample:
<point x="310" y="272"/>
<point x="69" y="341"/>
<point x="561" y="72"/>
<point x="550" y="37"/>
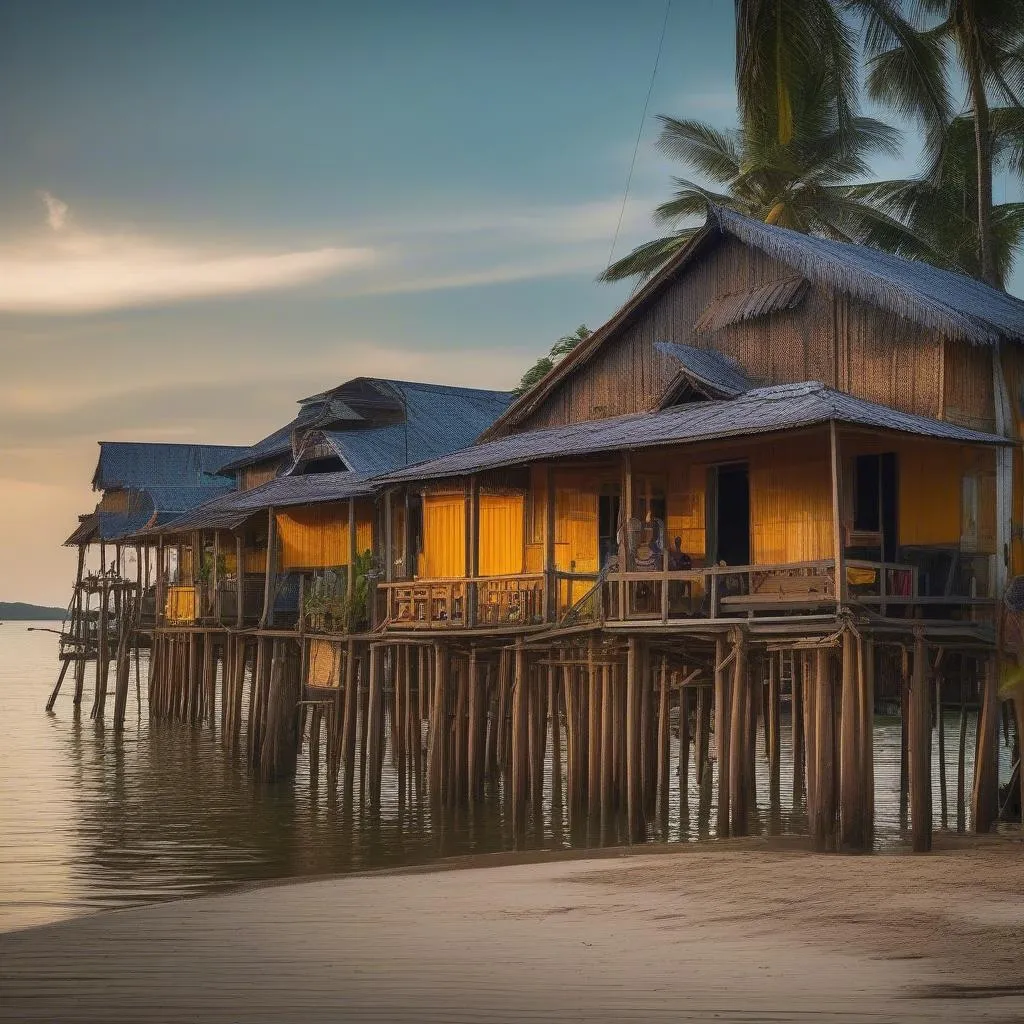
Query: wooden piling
<point x="723" y="726"/>
<point x="738" y="750"/>
<point x="919" y="751"/>
<point x="985" y="794"/>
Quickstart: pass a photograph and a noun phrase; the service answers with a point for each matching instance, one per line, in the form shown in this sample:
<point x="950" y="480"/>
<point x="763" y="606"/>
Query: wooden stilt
<point x="634" y="778"/>
<point x="723" y="728"/>
<point x="738" y="787"/>
<point x="825" y="761"/>
<point x="985" y="795"/>
<point x="851" y="815"/>
<point x="920" y="752"/>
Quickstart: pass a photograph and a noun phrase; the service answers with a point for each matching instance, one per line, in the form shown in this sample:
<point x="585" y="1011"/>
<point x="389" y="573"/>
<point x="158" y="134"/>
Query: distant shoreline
<point x="20" y="611"/>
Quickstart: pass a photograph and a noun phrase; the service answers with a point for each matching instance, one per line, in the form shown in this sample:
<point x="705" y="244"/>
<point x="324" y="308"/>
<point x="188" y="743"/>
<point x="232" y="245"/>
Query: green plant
<point x="205" y="571"/>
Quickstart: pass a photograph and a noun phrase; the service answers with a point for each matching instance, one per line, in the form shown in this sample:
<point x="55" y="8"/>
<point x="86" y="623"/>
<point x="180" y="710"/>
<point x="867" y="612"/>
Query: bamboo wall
<point x="840" y="341"/>
<point x="791" y="501"/>
<point x="316" y="536"/>
<point x="501" y="534"/>
<point x="968" y="396"/>
<point x="254" y="476"/>
<point x="444" y="536"/>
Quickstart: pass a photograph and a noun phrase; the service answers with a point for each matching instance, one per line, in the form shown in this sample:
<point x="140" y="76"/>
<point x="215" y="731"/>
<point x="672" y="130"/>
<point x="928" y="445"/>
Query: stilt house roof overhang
<point x="774" y="409"/>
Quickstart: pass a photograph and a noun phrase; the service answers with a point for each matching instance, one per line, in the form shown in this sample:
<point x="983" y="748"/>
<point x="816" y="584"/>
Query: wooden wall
<point x="261" y="473"/>
<point x="444" y="536"/>
<point x="840" y="341"/>
<point x="791" y="501"/>
<point x="501" y="545"/>
<point x="316" y="536"/>
<point x="1013" y="371"/>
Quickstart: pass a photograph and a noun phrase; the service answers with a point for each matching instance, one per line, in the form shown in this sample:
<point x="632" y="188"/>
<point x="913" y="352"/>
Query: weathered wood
<point x="866" y="683"/>
<point x="824" y="736"/>
<point x="723" y="728"/>
<point x="663" y="742"/>
<point x="593" y="734"/>
<point x="920" y="752"/>
<point x="738" y="786"/>
<point x="520" y="752"/>
<point x="940" y="727"/>
<point x="634" y="778"/>
<point x="851" y="812"/>
<point x="985" y="795"/>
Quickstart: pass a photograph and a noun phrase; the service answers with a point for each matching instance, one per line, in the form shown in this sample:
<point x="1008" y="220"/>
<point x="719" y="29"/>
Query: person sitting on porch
<point x="677" y="557"/>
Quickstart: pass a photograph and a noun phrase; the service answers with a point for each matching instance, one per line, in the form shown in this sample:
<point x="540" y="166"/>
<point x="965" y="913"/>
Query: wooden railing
<point x="466" y="602"/>
<point x="667" y="595"/>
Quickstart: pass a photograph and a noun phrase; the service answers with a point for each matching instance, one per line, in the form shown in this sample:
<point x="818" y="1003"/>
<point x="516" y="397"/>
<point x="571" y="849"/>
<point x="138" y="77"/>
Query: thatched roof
<point x="958" y="306"/>
<point x="773" y="409"/>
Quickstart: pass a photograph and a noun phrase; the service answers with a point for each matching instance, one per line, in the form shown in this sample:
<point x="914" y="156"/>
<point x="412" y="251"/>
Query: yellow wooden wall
<point x="791" y="501"/>
<point x="686" y="503"/>
<point x="316" y="536"/>
<point x="501" y="534"/>
<point x="444" y="536"/>
<point x="576" y="524"/>
<point x="181" y="604"/>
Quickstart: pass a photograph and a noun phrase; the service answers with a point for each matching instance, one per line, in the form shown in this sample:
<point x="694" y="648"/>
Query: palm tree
<point x="907" y="70"/>
<point x="559" y="351"/>
<point x="779" y="45"/>
<point x="804" y="183"/>
<point x="943" y="207"/>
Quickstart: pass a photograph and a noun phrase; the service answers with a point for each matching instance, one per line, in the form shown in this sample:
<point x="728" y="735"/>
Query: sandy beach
<point x="735" y="933"/>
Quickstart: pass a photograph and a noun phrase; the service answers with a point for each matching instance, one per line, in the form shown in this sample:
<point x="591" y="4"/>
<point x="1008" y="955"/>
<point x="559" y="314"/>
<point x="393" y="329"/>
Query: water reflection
<point x="92" y="819"/>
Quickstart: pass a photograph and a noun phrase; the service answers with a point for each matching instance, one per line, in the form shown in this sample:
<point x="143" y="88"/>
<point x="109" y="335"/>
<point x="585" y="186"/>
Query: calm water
<point x="90" y="820"/>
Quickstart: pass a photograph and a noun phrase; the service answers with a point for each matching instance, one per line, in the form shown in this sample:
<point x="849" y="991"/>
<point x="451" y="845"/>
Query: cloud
<point x="71" y="270"/>
<point x="56" y="211"/>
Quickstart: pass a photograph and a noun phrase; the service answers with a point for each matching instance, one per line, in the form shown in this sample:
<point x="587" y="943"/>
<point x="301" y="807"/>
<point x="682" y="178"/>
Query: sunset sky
<point x="208" y="210"/>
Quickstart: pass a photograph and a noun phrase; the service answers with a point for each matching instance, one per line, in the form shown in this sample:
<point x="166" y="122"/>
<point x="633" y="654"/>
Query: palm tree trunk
<point x="983" y="150"/>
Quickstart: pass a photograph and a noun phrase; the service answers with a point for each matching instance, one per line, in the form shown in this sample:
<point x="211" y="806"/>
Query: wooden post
<point x="472" y="532"/>
<point x="520" y="749"/>
<point x="824" y="743"/>
<point x="920" y="751"/>
<point x="267" y="616"/>
<point x="625" y="514"/>
<point x="722" y="730"/>
<point x="851" y="822"/>
<point x="985" y="796"/>
<point x="551" y="577"/>
<point x="738" y="786"/>
<point x="663" y="742"/>
<point x="593" y="734"/>
<point x="634" y="793"/>
<point x="940" y="727"/>
<point x="837" y="523"/>
<point x="375" y="727"/>
<point x="866" y="683"/>
<point x="797" y="728"/>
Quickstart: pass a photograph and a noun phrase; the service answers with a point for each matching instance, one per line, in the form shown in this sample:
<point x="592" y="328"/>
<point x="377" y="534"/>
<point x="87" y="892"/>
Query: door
<point x="730" y="513"/>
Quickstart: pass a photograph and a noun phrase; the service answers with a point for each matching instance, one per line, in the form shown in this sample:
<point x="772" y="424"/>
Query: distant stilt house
<point x="783" y="482"/>
<point x="142" y="484"/>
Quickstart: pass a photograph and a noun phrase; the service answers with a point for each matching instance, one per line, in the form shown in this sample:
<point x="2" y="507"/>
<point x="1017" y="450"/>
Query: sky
<point x="209" y="210"/>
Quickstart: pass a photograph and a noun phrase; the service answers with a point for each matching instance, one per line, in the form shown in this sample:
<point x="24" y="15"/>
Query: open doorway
<point x="730" y="518"/>
<point x="874" y="507"/>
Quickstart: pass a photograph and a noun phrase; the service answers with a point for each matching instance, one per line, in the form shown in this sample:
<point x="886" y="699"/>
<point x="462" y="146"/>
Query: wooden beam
<point x="837" y="524"/>
<point x="267" y="617"/>
<point x="240" y="581"/>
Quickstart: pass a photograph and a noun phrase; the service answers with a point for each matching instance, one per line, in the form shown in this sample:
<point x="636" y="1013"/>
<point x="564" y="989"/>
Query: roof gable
<point x="950" y="303"/>
<point x="139" y="464"/>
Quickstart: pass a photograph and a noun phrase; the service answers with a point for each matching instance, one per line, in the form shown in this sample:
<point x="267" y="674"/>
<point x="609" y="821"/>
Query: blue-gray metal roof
<point x="131" y="464"/>
<point x="440" y="418"/>
<point x="761" y="410"/>
<point x="231" y="510"/>
<point x="714" y="371"/>
<point x="946" y="301"/>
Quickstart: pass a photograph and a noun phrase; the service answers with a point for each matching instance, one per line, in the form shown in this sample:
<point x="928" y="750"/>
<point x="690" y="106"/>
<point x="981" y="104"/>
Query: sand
<point x="741" y="932"/>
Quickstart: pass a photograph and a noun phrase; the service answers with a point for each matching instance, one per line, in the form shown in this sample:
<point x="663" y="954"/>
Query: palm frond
<point x="707" y="149"/>
<point x="649" y="258"/>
